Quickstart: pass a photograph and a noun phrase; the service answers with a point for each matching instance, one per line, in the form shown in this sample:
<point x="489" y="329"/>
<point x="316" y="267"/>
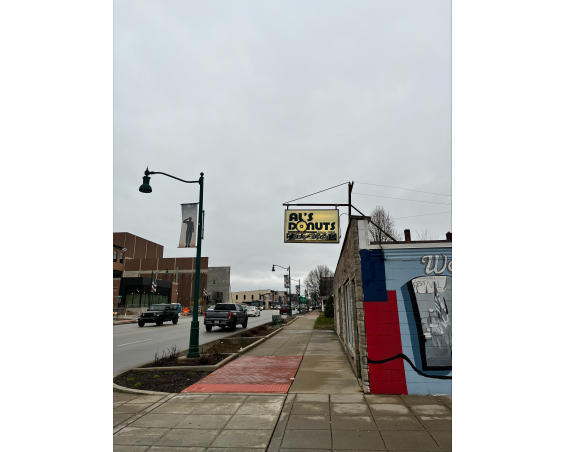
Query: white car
<point x="253" y="311"/>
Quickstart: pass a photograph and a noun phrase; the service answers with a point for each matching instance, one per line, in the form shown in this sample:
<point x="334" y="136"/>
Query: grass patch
<point x="324" y="323"/>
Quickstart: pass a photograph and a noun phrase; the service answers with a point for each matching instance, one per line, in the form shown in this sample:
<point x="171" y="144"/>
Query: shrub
<point x="329" y="311"/>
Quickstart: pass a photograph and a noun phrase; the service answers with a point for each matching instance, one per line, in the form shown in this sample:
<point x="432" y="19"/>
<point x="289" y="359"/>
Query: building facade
<point x="143" y="262"/>
<point x="119" y="259"/>
<point x="393" y="312"/>
<point x="219" y="283"/>
<point x="262" y="297"/>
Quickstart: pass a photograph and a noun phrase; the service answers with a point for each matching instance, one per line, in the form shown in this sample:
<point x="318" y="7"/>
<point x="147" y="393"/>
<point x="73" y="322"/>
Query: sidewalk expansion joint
<point x="142" y="413"/>
<point x="280" y="429"/>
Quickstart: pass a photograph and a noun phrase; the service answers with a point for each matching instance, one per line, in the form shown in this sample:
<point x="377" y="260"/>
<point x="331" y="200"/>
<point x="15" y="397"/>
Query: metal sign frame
<point x="305" y="226"/>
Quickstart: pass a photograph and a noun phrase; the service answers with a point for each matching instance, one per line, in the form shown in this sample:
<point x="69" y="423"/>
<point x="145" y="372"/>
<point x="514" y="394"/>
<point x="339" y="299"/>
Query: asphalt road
<point x="134" y="346"/>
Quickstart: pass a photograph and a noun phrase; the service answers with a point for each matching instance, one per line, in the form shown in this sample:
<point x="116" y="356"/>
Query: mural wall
<point x="431" y="301"/>
<point x="408" y="319"/>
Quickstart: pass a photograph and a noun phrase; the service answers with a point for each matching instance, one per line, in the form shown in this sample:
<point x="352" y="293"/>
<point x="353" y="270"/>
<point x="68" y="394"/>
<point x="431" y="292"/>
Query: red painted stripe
<point x="383" y="339"/>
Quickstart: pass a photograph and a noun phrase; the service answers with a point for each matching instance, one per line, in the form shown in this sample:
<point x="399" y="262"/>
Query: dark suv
<point x="159" y="313"/>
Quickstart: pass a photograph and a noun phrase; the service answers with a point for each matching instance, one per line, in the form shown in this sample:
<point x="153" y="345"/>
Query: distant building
<point x="219" y="281"/>
<point x="262" y="297"/>
<point x="137" y="260"/>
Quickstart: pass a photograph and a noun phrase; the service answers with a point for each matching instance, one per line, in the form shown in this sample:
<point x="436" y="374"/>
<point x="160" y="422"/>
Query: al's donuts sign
<point x="311" y="226"/>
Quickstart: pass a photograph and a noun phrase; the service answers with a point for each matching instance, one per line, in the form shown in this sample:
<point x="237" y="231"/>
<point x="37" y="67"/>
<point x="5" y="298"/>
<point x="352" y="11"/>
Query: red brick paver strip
<point x="261" y="374"/>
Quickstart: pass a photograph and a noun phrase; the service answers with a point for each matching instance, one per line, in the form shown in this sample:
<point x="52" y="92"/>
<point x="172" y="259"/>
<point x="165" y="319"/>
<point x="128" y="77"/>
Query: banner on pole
<point x="189" y="225"/>
<point x="286" y="282"/>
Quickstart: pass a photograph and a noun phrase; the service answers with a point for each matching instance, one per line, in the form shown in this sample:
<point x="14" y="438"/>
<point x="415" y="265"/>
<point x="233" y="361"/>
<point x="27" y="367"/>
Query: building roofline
<point x="138" y="236"/>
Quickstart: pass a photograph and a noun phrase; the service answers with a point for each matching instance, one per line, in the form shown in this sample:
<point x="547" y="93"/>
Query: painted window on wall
<point x="431" y="299"/>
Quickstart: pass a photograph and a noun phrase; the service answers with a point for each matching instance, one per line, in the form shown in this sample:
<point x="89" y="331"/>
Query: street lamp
<point x="194" y="348"/>
<point x="289" y="287"/>
<point x="299" y="292"/>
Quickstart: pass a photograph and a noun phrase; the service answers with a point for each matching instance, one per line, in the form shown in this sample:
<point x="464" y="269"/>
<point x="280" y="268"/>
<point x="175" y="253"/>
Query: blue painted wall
<point x="401" y="266"/>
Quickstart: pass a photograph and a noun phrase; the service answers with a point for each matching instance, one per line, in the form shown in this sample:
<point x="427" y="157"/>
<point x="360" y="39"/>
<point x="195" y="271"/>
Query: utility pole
<point x="350" y="198"/>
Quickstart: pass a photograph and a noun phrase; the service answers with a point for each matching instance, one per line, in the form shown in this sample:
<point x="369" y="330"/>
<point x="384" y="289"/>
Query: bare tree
<point x="384" y="223"/>
<point x="313" y="280"/>
<point x="424" y="235"/>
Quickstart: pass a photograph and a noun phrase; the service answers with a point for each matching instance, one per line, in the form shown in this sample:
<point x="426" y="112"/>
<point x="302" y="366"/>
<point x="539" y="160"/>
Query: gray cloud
<point x="274" y="100"/>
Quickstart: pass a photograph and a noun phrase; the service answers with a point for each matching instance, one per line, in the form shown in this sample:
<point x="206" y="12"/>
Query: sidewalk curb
<point x="139" y="391"/>
<point x="124" y="322"/>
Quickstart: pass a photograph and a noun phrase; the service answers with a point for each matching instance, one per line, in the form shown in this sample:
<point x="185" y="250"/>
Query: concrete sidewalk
<point x="324" y="410"/>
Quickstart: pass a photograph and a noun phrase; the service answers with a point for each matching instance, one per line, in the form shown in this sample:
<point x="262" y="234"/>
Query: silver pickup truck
<point x="226" y="315"/>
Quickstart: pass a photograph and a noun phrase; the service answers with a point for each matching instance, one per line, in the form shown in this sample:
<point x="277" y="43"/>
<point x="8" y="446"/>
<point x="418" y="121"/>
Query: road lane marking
<point x="136" y="342"/>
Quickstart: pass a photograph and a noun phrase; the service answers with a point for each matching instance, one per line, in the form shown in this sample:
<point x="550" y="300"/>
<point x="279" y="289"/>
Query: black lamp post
<point x="194" y="348"/>
<point x="289" y="287"/>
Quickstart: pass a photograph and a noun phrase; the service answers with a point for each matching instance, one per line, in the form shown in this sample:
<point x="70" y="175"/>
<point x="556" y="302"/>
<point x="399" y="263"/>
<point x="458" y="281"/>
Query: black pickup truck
<point x="226" y="315"/>
<point x="159" y="313"/>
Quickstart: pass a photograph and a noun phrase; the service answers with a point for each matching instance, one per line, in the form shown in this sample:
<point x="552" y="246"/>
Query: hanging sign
<point x="311" y="226"/>
<point x="286" y="282"/>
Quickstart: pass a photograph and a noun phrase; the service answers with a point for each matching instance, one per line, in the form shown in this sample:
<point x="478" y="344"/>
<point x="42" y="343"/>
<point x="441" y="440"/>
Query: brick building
<point x="136" y="260"/>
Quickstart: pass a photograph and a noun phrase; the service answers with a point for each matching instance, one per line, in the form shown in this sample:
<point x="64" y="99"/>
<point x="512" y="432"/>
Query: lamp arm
<point x="148" y="173"/>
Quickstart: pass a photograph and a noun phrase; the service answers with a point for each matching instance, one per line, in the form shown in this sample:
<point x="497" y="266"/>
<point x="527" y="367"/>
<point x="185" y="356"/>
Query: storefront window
<point x="349" y="309"/>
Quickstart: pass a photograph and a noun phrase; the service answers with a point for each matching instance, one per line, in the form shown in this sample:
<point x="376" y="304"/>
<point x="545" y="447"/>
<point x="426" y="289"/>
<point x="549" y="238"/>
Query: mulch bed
<point x="203" y="360"/>
<point x="160" y="380"/>
<point x="262" y="330"/>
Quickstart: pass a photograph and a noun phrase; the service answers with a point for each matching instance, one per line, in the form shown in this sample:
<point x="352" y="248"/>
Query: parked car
<point x="253" y="311"/>
<point x="284" y="309"/>
<point x="158" y="313"/>
<point x="226" y="315"/>
<point x="303" y="309"/>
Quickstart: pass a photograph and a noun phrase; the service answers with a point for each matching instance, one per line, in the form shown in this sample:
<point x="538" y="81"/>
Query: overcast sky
<point x="273" y="101"/>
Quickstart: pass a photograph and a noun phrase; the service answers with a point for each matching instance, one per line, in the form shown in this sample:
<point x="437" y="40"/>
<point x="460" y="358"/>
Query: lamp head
<point x="273" y="268"/>
<point x="145" y="187"/>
